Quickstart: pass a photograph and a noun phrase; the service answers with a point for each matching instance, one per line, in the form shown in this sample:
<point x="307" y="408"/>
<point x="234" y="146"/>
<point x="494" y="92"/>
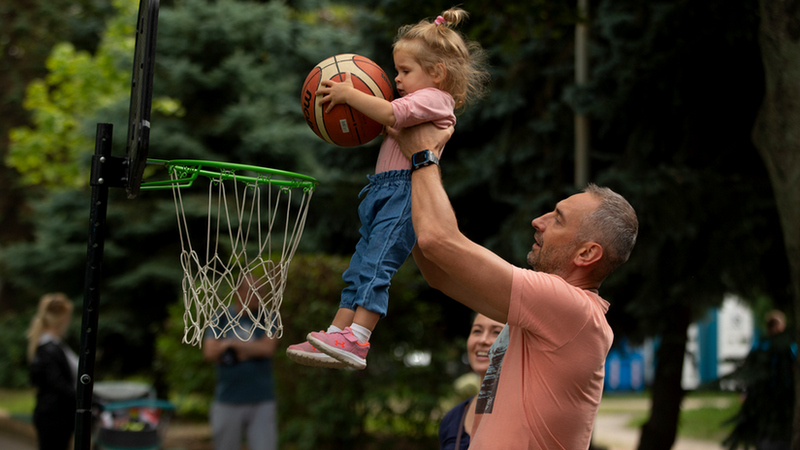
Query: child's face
<point x="411" y="76"/>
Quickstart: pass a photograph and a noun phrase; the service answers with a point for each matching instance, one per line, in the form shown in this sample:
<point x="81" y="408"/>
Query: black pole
<point x="91" y="297"/>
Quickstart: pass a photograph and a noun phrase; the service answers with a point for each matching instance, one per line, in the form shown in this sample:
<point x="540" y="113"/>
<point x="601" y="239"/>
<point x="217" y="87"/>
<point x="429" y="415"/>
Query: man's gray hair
<point x="613" y="225"/>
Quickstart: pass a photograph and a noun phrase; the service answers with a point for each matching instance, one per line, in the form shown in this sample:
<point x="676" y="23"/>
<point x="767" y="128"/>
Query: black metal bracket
<point x="109" y="171"/>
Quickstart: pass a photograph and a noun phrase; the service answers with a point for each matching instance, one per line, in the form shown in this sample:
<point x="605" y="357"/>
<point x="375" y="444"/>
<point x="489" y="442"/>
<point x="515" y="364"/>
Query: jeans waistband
<point x="385" y="178"/>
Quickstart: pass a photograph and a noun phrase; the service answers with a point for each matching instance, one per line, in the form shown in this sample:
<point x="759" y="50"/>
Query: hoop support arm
<point x="109" y="171"/>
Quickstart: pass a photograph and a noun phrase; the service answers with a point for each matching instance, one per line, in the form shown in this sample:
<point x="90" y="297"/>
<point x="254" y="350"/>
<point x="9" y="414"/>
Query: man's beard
<point x="552" y="262"/>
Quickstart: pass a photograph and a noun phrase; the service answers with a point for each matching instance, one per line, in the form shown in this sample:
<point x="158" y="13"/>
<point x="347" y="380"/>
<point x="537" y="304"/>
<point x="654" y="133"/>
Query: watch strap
<point x="423" y="158"/>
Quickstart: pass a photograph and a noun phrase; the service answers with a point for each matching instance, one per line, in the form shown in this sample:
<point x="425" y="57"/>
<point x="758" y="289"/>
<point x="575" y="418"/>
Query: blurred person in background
<point x="244" y="399"/>
<point x="456" y="426"/>
<point x="53" y="371"/>
<point x="765" y="418"/>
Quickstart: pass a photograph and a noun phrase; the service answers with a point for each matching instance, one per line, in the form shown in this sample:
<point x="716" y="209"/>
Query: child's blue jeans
<point x="387" y="238"/>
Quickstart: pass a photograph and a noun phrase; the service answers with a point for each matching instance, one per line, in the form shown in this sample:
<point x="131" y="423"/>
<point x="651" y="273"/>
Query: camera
<point x="228" y="358"/>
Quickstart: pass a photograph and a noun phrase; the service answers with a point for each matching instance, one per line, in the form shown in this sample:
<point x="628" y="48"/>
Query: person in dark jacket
<point x="53" y="370"/>
<point x="764" y="421"/>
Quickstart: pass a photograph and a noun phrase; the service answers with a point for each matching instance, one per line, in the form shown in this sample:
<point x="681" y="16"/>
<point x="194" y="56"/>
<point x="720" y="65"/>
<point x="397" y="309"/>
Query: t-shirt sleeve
<point x="425" y="105"/>
<point x="547" y="306"/>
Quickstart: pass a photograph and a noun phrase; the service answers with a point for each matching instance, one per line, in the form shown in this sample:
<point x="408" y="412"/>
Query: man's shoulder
<point x="555" y="282"/>
<point x="534" y="278"/>
<point x="545" y="302"/>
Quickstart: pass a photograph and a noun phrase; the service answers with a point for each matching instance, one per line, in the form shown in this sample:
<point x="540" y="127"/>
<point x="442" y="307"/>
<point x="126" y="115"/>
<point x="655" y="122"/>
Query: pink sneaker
<point x="307" y="355"/>
<point x="342" y="345"/>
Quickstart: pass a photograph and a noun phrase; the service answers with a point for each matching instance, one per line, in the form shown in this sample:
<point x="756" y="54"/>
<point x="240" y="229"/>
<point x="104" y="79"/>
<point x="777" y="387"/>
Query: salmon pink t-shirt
<point x="545" y="381"/>
<point x="424" y="105"/>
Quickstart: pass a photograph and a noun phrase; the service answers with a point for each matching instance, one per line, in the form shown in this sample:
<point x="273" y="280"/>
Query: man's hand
<point x="214" y="348"/>
<point x="425" y="136"/>
<point x="335" y="92"/>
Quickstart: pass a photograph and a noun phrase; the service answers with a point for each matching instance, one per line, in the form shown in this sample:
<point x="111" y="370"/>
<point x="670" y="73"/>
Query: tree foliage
<point x="28" y="30"/>
<point x="54" y="151"/>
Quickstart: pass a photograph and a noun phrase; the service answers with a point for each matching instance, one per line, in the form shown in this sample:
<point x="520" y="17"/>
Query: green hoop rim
<point x="193" y="168"/>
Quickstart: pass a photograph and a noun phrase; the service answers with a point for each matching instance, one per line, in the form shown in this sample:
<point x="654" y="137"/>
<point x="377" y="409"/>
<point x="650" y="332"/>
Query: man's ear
<point x="590" y="253"/>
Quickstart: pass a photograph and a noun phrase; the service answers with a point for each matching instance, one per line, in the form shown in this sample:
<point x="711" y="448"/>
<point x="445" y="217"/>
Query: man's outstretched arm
<point x="450" y="262"/>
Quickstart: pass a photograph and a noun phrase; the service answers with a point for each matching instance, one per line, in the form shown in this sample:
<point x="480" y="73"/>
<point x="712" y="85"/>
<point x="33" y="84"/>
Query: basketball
<point x="344" y="126"/>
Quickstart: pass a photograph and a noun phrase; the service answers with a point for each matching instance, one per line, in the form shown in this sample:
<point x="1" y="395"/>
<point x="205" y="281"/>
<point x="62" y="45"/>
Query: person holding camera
<point x="244" y="398"/>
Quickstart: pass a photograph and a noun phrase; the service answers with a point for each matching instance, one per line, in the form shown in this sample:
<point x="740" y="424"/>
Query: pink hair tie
<point x="439" y="20"/>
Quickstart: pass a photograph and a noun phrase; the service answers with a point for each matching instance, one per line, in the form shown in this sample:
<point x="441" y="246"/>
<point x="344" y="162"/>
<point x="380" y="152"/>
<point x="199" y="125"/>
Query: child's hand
<point x="335" y="92"/>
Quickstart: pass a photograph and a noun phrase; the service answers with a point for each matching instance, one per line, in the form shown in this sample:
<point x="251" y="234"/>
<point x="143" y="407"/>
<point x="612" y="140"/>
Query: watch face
<point x="420" y="157"/>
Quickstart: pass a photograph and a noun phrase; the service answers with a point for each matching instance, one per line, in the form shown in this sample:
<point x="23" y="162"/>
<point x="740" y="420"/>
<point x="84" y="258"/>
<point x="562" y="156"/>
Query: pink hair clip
<point x="439" y="20"/>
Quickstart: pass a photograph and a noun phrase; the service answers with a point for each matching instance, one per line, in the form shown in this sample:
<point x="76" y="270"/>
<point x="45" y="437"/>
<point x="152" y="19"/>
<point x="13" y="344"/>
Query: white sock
<point x="333" y="329"/>
<point x="361" y="333"/>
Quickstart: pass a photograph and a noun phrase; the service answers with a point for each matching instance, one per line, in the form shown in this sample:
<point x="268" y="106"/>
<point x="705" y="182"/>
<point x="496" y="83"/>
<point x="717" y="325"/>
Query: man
<point x="244" y="399"/>
<point x="764" y="420"/>
<point x="546" y="379"/>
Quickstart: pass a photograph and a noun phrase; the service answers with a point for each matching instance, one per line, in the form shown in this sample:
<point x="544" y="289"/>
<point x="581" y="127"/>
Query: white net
<point x="238" y="271"/>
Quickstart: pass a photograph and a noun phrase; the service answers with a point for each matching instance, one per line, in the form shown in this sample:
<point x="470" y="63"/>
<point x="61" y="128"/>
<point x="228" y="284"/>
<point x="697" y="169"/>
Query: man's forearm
<point x="213" y="349"/>
<point x="259" y="348"/>
<point x="435" y="226"/>
<point x="461" y="269"/>
<point x="431" y="211"/>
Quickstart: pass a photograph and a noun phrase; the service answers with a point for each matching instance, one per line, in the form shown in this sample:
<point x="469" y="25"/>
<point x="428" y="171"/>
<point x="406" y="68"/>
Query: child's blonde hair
<point x="432" y="43"/>
<point x="54" y="313"/>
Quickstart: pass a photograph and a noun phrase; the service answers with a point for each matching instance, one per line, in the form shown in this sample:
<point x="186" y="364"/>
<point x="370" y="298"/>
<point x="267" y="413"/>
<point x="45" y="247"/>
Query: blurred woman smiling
<point x="456" y="426"/>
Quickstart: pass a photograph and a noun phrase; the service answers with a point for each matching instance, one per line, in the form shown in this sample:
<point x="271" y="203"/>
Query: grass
<point x="702" y="414"/>
<point x="707" y="423"/>
<point x="18" y="402"/>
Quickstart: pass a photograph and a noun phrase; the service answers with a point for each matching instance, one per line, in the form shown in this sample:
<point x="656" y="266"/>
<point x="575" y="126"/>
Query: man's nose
<point x="539" y="222"/>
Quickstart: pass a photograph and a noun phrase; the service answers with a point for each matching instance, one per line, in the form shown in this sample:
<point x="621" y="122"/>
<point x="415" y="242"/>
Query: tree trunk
<point x="660" y="430"/>
<point x="776" y="135"/>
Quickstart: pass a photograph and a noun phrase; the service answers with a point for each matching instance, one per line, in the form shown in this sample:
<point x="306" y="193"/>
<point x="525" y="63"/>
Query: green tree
<point x="54" y="152"/>
<point x="28" y="30"/>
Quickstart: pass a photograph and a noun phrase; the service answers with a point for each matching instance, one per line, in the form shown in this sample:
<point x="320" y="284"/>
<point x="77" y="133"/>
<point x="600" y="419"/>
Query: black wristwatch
<point x="422" y="159"/>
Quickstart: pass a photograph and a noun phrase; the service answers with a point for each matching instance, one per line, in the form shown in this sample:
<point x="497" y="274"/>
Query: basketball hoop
<point x="246" y="213"/>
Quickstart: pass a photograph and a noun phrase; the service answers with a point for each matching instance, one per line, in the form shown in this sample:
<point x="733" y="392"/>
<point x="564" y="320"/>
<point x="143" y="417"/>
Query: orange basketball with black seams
<point x="344" y="126"/>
